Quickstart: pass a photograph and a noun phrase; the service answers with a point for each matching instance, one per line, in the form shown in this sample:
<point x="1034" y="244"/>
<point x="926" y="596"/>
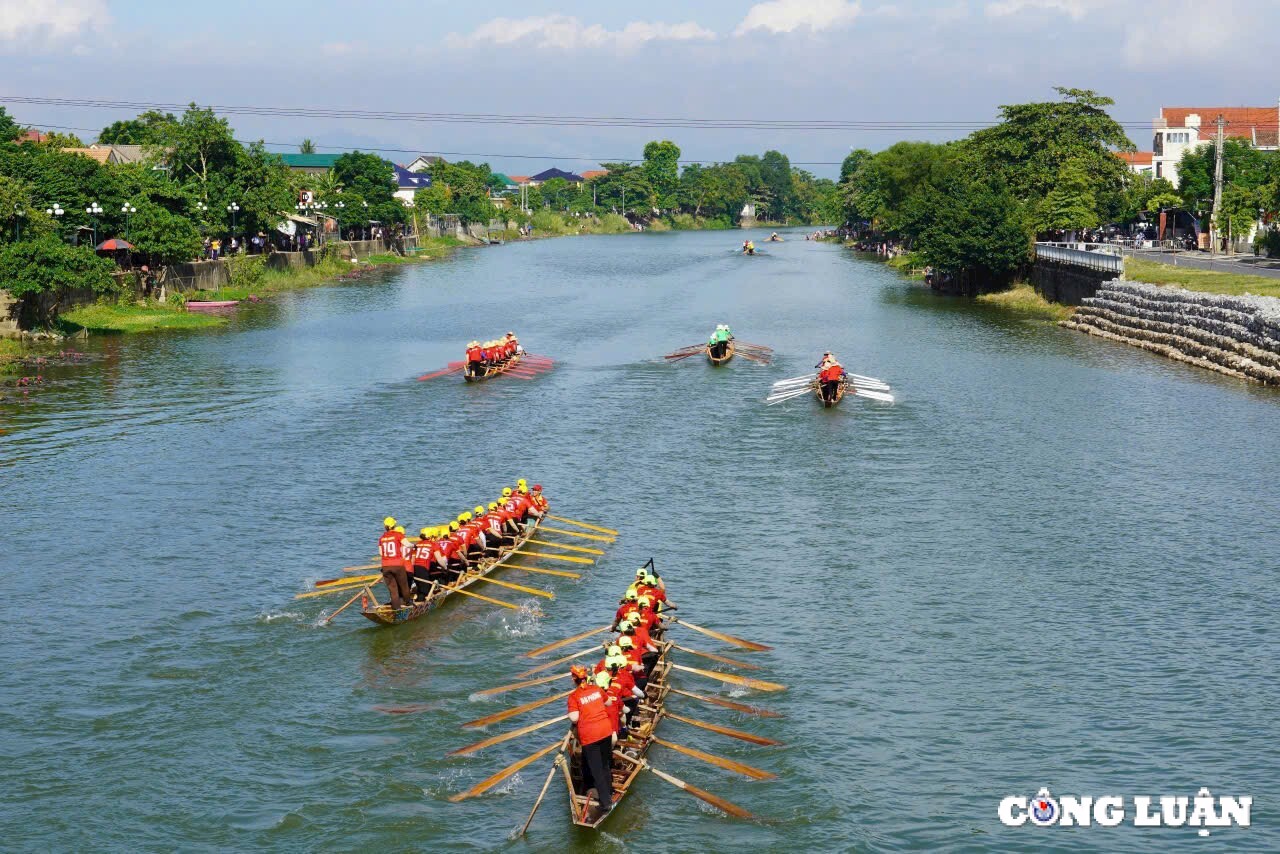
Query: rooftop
<point x="1259" y="125"/>
<point x="553" y="172"/>
<point x="295" y="160"/>
<point x="1136" y="158"/>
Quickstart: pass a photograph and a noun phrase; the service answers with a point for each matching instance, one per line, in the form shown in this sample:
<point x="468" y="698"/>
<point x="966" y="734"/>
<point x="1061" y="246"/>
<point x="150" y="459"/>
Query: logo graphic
<point x="1044" y="809"/>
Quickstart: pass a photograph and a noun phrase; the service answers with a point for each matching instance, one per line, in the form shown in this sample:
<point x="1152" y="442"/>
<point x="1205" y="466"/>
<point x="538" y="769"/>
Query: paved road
<point x="1269" y="267"/>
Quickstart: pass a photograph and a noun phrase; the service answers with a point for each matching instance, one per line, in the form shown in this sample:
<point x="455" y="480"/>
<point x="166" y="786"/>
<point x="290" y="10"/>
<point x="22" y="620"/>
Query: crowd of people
<point x="483" y="356"/>
<point x="605" y="699"/>
<point x="417" y="570"/>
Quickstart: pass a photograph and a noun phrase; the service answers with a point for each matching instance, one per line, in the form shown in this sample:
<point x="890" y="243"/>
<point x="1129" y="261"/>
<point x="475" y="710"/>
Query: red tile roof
<point x="1259" y="125"/>
<point x="519" y="179"/>
<point x="1136" y="158"/>
<point x="594" y="173"/>
<point x="31" y="135"/>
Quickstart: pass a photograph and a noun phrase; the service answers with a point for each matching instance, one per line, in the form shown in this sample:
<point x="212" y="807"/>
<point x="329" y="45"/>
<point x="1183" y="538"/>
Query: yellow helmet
<point x="522" y="482"/>
<point x="645" y="601"/>
<point x="632" y="594"/>
<point x="389" y="522"/>
<point x="479" y="510"/>
<point x="602" y="679"/>
<point x="399" y="529"/>
<point x="466" y="516"/>
<point x="506" y="492"/>
<point x="642" y="572"/>
<point x="615" y="661"/>
<point x="613" y="651"/>
<point x="625" y="642"/>
<point x="651" y="581"/>
<point x="493" y="505"/>
<point x="426" y="533"/>
<point x="624" y="624"/>
<point x="453" y="526"/>
<point x="522" y="489"/>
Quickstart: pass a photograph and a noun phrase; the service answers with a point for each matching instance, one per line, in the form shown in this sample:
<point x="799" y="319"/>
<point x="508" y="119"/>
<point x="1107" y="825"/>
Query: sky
<point x="932" y="69"/>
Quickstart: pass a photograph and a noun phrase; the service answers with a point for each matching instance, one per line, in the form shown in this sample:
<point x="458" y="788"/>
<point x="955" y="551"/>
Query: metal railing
<point x="1106" y="261"/>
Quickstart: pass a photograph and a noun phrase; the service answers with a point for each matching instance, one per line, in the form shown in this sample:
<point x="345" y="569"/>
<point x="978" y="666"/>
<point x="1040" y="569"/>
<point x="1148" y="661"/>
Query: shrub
<point x="32" y="268"/>
<point x="246" y="271"/>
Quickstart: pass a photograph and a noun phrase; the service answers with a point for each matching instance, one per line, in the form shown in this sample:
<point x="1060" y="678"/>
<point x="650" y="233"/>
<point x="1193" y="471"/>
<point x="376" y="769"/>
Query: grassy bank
<point x="1209" y="281"/>
<point x="11" y="352"/>
<point x="905" y="264"/>
<point x="1023" y="300"/>
<point x="250" y="279"/>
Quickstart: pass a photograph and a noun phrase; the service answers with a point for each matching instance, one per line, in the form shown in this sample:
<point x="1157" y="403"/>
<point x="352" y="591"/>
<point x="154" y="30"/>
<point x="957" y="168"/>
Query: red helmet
<point x="537" y="487"/>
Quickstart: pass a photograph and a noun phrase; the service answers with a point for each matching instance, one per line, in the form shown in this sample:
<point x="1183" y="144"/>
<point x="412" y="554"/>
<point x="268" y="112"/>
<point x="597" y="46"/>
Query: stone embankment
<point x="1236" y="336"/>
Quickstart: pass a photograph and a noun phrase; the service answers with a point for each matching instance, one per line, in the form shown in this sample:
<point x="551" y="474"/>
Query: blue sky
<point x="934" y="61"/>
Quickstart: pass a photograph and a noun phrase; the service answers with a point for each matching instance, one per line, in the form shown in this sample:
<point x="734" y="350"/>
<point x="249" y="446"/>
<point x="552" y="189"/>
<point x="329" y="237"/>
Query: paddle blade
<point x="440" y="373"/>
<point x="728" y="704"/>
<point x="702" y="794"/>
<point x="563" y="573"/>
<point x="559" y="661"/>
<point x="534" y="653"/>
<point x="732" y="678"/>
<point x="498" y="739"/>
<point x="724" y="730"/>
<point x="528" y="683"/>
<point x="517" y="710"/>
<point x="489" y="782"/>
<point x="545" y="556"/>
<point x="720" y="761"/>
<point x="586" y="525"/>
<point x="723" y="659"/>
<point x="721" y="636"/>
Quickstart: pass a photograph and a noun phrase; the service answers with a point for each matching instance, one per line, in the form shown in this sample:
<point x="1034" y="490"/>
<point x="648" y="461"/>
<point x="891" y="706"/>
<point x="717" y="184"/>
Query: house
<point x="519" y="180"/>
<point x="1180" y="129"/>
<point x="409" y="182"/>
<point x="553" y="172"/>
<point x="309" y="164"/>
<point x="105" y="155"/>
<point x="31" y="135"/>
<point x="424" y="162"/>
<point x="1139" y="162"/>
<point x="592" y="174"/>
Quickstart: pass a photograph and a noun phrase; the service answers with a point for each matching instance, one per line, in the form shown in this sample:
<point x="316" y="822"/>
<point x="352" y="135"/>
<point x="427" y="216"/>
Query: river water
<point x="1051" y="563"/>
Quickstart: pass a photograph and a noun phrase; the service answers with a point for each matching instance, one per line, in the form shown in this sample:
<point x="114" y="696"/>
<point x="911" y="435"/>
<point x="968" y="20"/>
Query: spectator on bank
<point x="214" y="248"/>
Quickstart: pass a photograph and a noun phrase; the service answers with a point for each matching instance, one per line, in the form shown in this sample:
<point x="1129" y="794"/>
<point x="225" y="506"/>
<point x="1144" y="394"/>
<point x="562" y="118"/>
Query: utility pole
<point x="1217" y="183"/>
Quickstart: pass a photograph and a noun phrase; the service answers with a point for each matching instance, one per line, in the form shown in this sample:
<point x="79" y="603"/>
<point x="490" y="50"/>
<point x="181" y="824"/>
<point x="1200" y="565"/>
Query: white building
<point x="1180" y="129"/>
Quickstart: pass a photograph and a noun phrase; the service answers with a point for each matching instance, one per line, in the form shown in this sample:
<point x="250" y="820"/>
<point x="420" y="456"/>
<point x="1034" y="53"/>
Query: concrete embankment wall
<point x="1237" y="336"/>
<point x="1068" y="284"/>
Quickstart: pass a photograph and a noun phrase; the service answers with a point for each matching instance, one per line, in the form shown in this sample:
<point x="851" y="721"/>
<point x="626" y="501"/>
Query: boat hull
<point x="720" y="360"/>
<point x="840" y="390"/>
<point x="490" y="373"/>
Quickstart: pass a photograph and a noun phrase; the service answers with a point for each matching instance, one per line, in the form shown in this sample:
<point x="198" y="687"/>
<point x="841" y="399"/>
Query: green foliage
<point x="246" y="272"/>
<point x="46" y="264"/>
<point x="62" y="140"/>
<point x="149" y="128"/>
<point x="662" y="171"/>
<point x="1243" y="166"/>
<point x="853" y="162"/>
<point x="974" y="226"/>
<point x="1032" y="142"/>
<point x="373" y="179"/>
<point x="307" y="147"/>
<point x="1071" y="204"/>
<point x="164" y="237"/>
<point x="9" y="129"/>
<point x="460" y="188"/>
<point x="32" y="222"/>
<point x="1239" y="211"/>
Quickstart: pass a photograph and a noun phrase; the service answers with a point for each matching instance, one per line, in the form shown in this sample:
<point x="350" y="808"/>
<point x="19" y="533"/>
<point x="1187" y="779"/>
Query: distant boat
<point x="212" y="305"/>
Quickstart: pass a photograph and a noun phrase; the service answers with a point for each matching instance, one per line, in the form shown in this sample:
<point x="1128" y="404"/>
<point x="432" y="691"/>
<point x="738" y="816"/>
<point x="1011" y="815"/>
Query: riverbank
<point x="1205" y="281"/>
<point x="250" y="281"/>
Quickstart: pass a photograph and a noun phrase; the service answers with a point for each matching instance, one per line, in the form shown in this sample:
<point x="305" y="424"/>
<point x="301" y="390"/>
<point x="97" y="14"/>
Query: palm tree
<point x="307" y="147"/>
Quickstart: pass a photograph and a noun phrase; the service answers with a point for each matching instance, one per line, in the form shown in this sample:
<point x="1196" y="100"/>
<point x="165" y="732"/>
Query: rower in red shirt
<point x="475" y="358"/>
<point x="455" y="553"/>
<point x="626" y="607"/>
<point x="589" y="713"/>
<point x="493" y="530"/>
<point x="611" y="703"/>
<point x="830" y="375"/>
<point x="392" y="549"/>
<point x="623" y="686"/>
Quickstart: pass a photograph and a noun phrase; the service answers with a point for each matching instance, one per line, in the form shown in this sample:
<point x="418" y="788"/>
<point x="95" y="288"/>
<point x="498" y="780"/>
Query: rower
<point x="392" y="549"/>
<point x="422" y="563"/>
<point x="539" y="502"/>
<point x="624" y="683"/>
<point x="636" y="629"/>
<point x="475" y="358"/>
<point x="588" y="712"/>
<point x="830" y="375"/>
<point x="635" y="663"/>
<point x="515" y="344"/>
<point x="455" y="553"/>
<point x="493" y="530"/>
<point x="627" y="606"/>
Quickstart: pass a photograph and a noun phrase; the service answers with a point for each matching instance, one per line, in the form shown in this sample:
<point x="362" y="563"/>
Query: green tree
<point x="853" y="162"/>
<point x="1242" y="166"/>
<point x="662" y="171"/>
<point x="1032" y="141"/>
<point x="164" y="237"/>
<point x="32" y="269"/>
<point x="20" y="213"/>
<point x="1071" y="204"/>
<point x="1160" y="196"/>
<point x="9" y="129"/>
<point x="1239" y="211"/>
<point x="976" y="229"/>
<point x="373" y="179"/>
<point x="307" y="147"/>
<point x="149" y="128"/>
<point x="553" y="190"/>
<point x="62" y="140"/>
<point x="204" y="153"/>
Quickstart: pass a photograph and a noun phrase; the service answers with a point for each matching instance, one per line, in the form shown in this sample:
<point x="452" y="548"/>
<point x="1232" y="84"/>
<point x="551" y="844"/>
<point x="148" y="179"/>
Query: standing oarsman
<point x="830" y="374"/>
<point x="475" y="358"/>
<point x="590" y="715"/>
<point x="392" y="549"/>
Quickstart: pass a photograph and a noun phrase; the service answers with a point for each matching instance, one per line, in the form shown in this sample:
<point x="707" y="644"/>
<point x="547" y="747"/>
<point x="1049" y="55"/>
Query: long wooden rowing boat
<point x="583" y="809"/>
<point x="720" y="360"/>
<point x="840" y="390"/>
<point x="491" y="371"/>
<point x="387" y="616"/>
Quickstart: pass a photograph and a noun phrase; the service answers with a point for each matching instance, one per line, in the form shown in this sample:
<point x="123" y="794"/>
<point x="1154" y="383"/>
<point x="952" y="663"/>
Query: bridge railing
<point x="1104" y="258"/>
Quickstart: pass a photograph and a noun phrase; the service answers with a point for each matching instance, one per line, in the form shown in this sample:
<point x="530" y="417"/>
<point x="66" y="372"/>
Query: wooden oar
<point x="567" y="558"/>
<point x="545" y="594"/>
<point x="733" y="678"/>
<point x="586" y="525"/>
<point x="481" y="597"/>
<point x="723" y="730"/>
<point x="349" y="602"/>
<point x="785" y="397"/>
<point x="719" y="761"/>
<point x="583" y="549"/>
<point x="498" y="739"/>
<point x="701" y="794"/>
<point x="884" y="397"/>
<point x="534" y="653"/>
<point x="563" y="573"/>
<point x="344" y="588"/>
<point x="764" y="360"/>
<point x="441" y="373"/>
<point x="728" y="704"/>
<point x="360" y="568"/>
<point x="528" y="683"/>
<point x="570" y="657"/>
<point x="721" y="636"/>
<point x="546" y="530"/>
<point x="546" y="784"/>
<point x="732" y="662"/>
<point x="350" y="579"/>
<point x="489" y="782"/>
<point x="752" y="346"/>
<point x="518" y="710"/>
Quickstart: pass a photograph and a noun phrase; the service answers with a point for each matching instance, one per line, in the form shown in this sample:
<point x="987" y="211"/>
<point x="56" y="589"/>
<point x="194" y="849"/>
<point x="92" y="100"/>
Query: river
<point x="1051" y="563"/>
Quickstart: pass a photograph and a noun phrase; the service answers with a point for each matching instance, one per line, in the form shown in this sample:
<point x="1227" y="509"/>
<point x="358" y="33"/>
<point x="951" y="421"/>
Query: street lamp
<point x="93" y="211"/>
<point x="128" y="211"/>
<point x="232" y="209"/>
<point x="340" y="206"/>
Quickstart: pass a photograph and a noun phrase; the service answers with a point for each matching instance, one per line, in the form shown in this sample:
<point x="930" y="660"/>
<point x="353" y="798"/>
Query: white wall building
<point x="1179" y="129"/>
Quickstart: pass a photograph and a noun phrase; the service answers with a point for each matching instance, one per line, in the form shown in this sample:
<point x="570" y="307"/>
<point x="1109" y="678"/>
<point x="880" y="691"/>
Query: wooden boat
<point x="385" y="615"/>
<point x="583" y="810"/>
<point x="491" y="371"/>
<point x="211" y="305"/>
<point x="720" y="360"/>
<point x="840" y="390"/>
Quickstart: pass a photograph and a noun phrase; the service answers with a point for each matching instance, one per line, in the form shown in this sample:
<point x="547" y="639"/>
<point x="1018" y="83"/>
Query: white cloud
<point x="785" y="16"/>
<point x="565" y="32"/>
<point x="1075" y="9"/>
<point x="49" y="20"/>
<point x="1190" y="31"/>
